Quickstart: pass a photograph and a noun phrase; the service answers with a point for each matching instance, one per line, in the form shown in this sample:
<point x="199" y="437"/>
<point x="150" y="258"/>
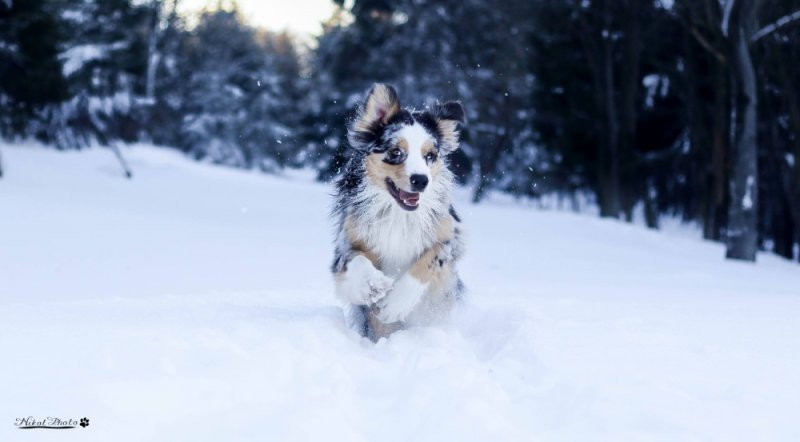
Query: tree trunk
<point x="599" y="92"/>
<point x="699" y="136"/>
<point x="791" y="172"/>
<point x="709" y="125"/>
<point x="487" y="164"/>
<point x="612" y="206"/>
<point x="598" y="49"/>
<point x="650" y="201"/>
<point x="629" y="89"/>
<point x="719" y="153"/>
<point x="743" y="210"/>
<point x="153" y="56"/>
<point x="778" y="208"/>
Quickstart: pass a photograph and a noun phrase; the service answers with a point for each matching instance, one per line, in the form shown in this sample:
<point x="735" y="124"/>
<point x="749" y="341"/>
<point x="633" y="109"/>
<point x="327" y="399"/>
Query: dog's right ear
<point x="379" y="107"/>
<point x="449" y="118"/>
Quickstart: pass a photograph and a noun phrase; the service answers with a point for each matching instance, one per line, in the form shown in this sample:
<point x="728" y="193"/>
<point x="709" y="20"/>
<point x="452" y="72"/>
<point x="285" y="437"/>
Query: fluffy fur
<point x="398" y="236"/>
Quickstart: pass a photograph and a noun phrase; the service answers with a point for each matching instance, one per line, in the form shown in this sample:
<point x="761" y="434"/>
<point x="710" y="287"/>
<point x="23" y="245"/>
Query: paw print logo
<point x="84" y="422"/>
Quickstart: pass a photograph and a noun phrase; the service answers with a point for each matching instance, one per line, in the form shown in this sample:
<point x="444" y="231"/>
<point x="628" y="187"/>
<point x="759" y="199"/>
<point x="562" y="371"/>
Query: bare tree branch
<point x="781" y="22"/>
<point x="121" y="159"/>
<point x="726" y="16"/>
<point x="706" y="45"/>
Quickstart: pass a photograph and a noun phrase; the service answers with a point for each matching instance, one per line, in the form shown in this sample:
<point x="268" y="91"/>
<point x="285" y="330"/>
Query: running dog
<point x="398" y="237"/>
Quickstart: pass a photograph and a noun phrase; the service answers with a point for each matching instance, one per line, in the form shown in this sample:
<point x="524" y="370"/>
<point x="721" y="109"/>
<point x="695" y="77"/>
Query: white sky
<point x="298" y="16"/>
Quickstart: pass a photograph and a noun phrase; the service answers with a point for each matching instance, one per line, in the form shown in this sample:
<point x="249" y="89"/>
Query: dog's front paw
<point x="362" y="283"/>
<point x="401" y="301"/>
<point x="378" y="286"/>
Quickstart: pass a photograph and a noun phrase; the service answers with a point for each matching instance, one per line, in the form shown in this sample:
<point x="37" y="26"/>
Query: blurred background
<point x="636" y="109"/>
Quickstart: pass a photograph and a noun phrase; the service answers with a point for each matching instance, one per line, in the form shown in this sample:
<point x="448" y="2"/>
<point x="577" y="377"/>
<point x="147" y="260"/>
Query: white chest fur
<point x="399" y="238"/>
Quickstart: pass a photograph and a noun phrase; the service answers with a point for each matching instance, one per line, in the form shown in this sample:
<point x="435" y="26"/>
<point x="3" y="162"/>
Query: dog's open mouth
<point x="406" y="200"/>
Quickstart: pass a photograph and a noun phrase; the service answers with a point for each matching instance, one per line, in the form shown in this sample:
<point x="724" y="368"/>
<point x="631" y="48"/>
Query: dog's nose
<point x="418" y="182"/>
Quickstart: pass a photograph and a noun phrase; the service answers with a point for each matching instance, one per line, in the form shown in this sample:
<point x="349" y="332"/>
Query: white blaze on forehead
<point x="416" y="136"/>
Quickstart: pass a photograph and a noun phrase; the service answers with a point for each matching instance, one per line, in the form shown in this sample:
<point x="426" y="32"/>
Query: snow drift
<point x="195" y="303"/>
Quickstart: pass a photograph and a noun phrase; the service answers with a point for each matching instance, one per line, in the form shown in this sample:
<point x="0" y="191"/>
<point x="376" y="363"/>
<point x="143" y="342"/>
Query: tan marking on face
<point x="377" y="170"/>
<point x="427" y="147"/>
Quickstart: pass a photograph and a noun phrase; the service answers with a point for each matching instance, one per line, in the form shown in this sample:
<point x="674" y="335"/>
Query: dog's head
<point x="403" y="149"/>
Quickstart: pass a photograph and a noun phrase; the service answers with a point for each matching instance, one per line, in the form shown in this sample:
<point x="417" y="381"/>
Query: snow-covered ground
<point x="194" y="303"/>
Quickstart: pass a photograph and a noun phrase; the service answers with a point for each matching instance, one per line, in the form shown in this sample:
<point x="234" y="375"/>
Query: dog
<point x="398" y="237"/>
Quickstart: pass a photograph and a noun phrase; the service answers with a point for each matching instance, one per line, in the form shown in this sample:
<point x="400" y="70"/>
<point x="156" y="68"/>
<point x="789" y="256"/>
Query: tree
<point x="774" y="46"/>
<point x="708" y="111"/>
<point x="450" y="49"/>
<point x="238" y="93"/>
<point x="739" y="25"/>
<point x="104" y="60"/>
<point x="163" y="99"/>
<point x="607" y="111"/>
<point x="30" y="70"/>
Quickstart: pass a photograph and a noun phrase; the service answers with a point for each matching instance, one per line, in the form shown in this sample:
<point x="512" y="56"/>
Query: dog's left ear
<point x="449" y="117"/>
<point x="379" y="107"/>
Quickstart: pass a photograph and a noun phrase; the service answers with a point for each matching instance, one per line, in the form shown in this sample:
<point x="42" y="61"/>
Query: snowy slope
<point x="194" y="303"/>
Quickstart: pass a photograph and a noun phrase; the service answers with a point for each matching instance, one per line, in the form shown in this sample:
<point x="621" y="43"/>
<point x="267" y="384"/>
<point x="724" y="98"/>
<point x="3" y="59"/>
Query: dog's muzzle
<point x="406" y="200"/>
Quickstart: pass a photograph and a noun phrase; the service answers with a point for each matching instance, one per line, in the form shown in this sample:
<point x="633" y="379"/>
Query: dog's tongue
<point x="412" y="201"/>
<point x="409" y="198"/>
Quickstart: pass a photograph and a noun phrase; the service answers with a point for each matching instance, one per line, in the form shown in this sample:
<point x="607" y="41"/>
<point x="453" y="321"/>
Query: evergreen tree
<point x="239" y="91"/>
<point x="428" y="51"/>
<point x="30" y="70"/>
<point x="648" y="106"/>
<point x="104" y="59"/>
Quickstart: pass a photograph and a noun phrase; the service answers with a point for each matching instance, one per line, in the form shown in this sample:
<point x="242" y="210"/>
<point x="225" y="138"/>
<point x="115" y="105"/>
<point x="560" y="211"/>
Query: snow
<point x="777" y="24"/>
<point x="74" y="58"/>
<point x="194" y="303"/>
<point x="727" y="8"/>
<point x="747" y="199"/>
<point x="9" y="48"/>
<point x="655" y="84"/>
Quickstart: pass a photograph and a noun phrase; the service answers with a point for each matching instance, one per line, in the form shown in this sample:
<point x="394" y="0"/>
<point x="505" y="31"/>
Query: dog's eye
<point x="395" y="154"/>
<point x="430" y="157"/>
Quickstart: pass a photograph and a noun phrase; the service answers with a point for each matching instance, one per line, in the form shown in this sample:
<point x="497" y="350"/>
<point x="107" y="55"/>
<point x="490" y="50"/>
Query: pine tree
<point x="30" y="70"/>
<point x="239" y="93"/>
<point x="428" y="51"/>
<point x="104" y="61"/>
<point x="743" y="210"/>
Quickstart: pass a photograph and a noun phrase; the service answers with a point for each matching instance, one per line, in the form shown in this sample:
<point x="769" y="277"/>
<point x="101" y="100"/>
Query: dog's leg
<point x="377" y="329"/>
<point x="360" y="283"/>
<point x="428" y="272"/>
